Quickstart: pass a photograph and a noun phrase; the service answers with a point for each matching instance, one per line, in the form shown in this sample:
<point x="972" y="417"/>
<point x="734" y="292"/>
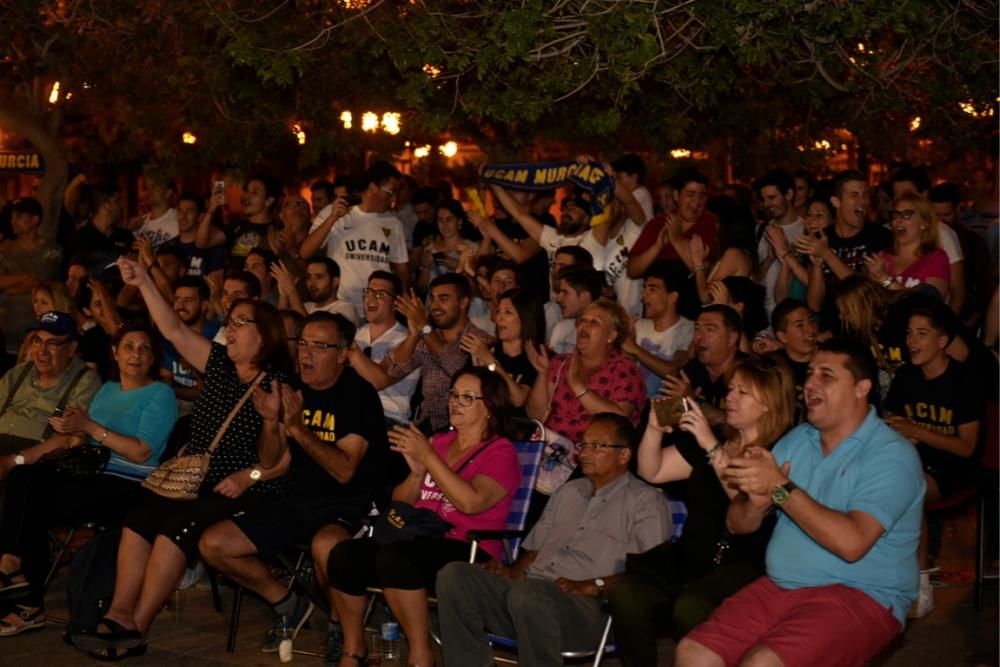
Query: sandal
<point x="32" y="618"/>
<point x="7" y="583"/>
<point x="111" y="654"/>
<point x="119" y="637"/>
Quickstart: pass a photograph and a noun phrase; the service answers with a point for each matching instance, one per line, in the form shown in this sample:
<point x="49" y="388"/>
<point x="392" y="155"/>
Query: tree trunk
<point x="46" y="141"/>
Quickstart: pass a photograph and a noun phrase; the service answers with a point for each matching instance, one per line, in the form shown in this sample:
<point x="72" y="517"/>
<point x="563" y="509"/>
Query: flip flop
<point x="112" y="654"/>
<point x="7" y="583"/>
<point x="30" y="620"/>
<point x="119" y="637"/>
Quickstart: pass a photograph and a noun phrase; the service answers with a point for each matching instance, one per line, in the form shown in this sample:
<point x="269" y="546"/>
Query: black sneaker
<point x="334" y="645"/>
<point x="287" y="626"/>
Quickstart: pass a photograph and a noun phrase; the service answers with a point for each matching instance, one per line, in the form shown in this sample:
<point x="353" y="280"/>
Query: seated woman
<point x="798" y="269"/>
<point x="916" y="256"/>
<point x="737" y="250"/>
<point x="467" y="477"/>
<point x="571" y="388"/>
<point x="680" y="583"/>
<point x="160" y="536"/>
<point x="131" y="416"/>
<point x="519" y="319"/>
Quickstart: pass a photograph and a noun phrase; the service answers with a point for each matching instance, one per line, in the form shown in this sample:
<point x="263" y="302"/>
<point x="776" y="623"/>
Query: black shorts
<point x="275" y="524"/>
<point x="950" y="479"/>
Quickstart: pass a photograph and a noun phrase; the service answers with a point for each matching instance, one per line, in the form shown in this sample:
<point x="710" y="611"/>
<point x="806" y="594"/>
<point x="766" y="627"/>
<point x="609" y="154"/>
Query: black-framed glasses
<point x="905" y="214"/>
<point x="315" y="345"/>
<point x="377" y="294"/>
<point x="51" y="344"/>
<point x="464" y="400"/>
<point x="597" y="446"/>
<point x="238" y="322"/>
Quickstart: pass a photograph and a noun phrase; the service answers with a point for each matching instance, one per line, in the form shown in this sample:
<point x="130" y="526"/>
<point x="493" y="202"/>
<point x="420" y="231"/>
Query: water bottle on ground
<point x="390" y="644"/>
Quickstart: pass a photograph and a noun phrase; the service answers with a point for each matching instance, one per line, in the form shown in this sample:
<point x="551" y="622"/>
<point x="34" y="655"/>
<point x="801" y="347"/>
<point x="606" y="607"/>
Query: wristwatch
<point x="426" y="330"/>
<point x="780" y="494"/>
<point x="600" y="588"/>
<point x="19" y="459"/>
<point x="255" y="475"/>
<point x="492" y="367"/>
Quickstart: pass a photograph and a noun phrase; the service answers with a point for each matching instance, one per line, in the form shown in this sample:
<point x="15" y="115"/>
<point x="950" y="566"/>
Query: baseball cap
<point x="28" y="205"/>
<point x="57" y="324"/>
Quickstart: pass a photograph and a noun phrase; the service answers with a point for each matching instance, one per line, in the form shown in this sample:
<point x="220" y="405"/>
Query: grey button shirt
<point x="584" y="535"/>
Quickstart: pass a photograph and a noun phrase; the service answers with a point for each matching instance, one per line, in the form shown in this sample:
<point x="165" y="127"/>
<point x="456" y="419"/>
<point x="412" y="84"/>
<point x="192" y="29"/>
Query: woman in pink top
<point x="467" y="477"/>
<point x="916" y="257"/>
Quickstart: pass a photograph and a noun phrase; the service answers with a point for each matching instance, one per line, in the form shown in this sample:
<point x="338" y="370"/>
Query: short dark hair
<point x="272" y="186"/>
<point x="844" y="177"/>
<point x="97" y="195"/>
<point x="323" y="185"/>
<point x="583" y="281"/>
<point x="945" y="193"/>
<point x="496" y="398"/>
<point x="273" y="354"/>
<point x="730" y="318"/>
<point x="751" y="294"/>
<point x="941" y="317"/>
<point x="331" y="265"/>
<point x="625" y="433"/>
<point x="784" y="310"/>
<point x="425" y="194"/>
<point x="581" y="256"/>
<point x="673" y="279"/>
<point x="910" y="174"/>
<point x="196" y="283"/>
<point x="345" y="328"/>
<point x="155" y="342"/>
<point x="778" y="178"/>
<point x="344" y="181"/>
<point x="860" y="361"/>
<point x="379" y="173"/>
<point x="687" y="175"/>
<point x="630" y="163"/>
<point x="267" y="255"/>
<point x="197" y="199"/>
<point x="806" y="176"/>
<point x="248" y="279"/>
<point x="504" y="264"/>
<point x="460" y="282"/>
<point x="175" y="251"/>
<point x="530" y="311"/>
<point x="389" y="276"/>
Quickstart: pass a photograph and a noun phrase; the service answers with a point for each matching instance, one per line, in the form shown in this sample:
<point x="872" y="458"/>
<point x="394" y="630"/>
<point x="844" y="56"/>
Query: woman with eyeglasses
<point x="916" y="257"/>
<point x="131" y="416"/>
<point x="680" y="583"/>
<point x="160" y="536"/>
<point x="467" y="477"/>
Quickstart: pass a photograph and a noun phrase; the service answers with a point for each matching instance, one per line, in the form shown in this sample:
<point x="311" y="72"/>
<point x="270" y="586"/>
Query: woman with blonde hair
<point x="916" y="257"/>
<point x="45" y="297"/>
<point x="685" y="580"/>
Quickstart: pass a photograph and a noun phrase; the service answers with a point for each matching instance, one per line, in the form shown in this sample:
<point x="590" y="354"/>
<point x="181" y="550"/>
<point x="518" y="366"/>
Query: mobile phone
<point x="670" y="411"/>
<point x="439" y="257"/>
<point x="58" y="412"/>
<point x="220" y="187"/>
<point x="352" y="199"/>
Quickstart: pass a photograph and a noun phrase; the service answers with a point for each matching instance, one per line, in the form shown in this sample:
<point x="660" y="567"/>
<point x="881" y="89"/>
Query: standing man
<point x="191" y="303"/>
<point x="576" y="289"/>
<point x="776" y="190"/>
<point x="159" y="226"/>
<point x="841" y="563"/>
<point x="322" y="284"/>
<point x="365" y="238"/>
<point x="550" y="599"/>
<point x="206" y="262"/>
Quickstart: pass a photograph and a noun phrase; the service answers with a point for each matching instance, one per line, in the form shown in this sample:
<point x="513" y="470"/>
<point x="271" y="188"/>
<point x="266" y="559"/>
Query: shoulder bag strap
<point x="17" y="385"/>
<point x="69" y="389"/>
<point x="232" y="415"/>
<point x="476" y="453"/>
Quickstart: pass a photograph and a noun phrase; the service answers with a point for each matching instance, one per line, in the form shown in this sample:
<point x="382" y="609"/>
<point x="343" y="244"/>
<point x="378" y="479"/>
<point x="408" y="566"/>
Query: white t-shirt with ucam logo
<point x="360" y="243"/>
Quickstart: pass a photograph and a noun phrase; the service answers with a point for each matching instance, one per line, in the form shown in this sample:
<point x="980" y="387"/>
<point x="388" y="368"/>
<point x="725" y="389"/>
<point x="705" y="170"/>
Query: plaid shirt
<point x="436" y="373"/>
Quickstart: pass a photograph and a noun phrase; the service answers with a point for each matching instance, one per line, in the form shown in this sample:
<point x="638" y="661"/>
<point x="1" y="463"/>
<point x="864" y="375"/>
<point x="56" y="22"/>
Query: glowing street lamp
<point x="189" y="138"/>
<point x="54" y="95"/>
<point x="369" y="121"/>
<point x="347" y="118"/>
<point x="422" y="151"/>
<point x="449" y="149"/>
<point x="299" y="133"/>
<point x="390" y="122"/>
<point x="679" y="153"/>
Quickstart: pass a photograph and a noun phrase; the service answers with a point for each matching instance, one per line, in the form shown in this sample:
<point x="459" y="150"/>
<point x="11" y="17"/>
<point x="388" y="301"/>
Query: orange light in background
<point x="54" y="95"/>
<point x="679" y="153"/>
<point x="422" y="151"/>
<point x="449" y="149"/>
<point x="432" y="70"/>
<point x="347" y="118"/>
<point x="189" y="138"/>
<point x="299" y="134"/>
<point x="369" y="121"/>
<point x="390" y="122"/>
<point x="915" y="124"/>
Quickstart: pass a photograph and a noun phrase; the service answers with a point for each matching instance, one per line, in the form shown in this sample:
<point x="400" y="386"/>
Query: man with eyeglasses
<point x="365" y="238"/>
<point x="570" y="560"/>
<point x="52" y="377"/>
<point x="331" y="420"/>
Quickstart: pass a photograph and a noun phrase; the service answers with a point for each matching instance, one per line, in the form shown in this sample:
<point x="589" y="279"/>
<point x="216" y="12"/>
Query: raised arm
<point x="317" y="237"/>
<point x="191" y="346"/>
<point x="523" y="218"/>
<point x="207" y="235"/>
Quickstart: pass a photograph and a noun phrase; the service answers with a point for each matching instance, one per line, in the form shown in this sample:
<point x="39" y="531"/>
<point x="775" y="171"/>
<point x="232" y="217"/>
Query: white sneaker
<point x="925" y="600"/>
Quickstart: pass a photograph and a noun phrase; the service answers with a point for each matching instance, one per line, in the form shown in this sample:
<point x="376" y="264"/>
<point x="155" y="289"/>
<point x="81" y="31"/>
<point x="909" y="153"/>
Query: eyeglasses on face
<point x="377" y="294"/>
<point x="238" y="322"/>
<point x="464" y="400"/>
<point x="388" y="191"/>
<point x="315" y="345"/>
<point x="597" y="446"/>
<point x="905" y="214"/>
<point x="51" y="344"/>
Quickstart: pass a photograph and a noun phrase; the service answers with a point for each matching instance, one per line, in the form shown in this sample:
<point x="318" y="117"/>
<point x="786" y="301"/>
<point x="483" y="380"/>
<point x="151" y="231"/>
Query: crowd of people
<point x="800" y="366"/>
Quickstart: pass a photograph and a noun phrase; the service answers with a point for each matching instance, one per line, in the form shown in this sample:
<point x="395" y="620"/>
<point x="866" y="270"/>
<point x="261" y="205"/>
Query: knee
<point x="761" y="656"/>
<point x="213" y="545"/>
<point x="691" y="609"/>
<point x="692" y="654"/>
<point x="323" y="543"/>
<point x="339" y="565"/>
<point x="451" y="579"/>
<point x="527" y="600"/>
<point x="625" y="599"/>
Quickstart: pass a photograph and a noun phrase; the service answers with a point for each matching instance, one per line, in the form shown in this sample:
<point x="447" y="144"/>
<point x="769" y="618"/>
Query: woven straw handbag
<point x="181" y="477"/>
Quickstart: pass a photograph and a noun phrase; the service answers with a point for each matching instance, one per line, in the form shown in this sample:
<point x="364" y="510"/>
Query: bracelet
<point x="700" y="267"/>
<point x="582" y="394"/>
<point x="103" y="437"/>
<point x="710" y="455"/>
<point x="887" y="282"/>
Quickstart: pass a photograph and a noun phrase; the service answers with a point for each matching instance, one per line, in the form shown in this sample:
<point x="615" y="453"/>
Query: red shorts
<point x="812" y="627"/>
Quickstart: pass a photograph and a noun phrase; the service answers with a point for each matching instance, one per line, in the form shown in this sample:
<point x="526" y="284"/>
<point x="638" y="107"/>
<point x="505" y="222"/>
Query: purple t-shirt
<point x="497" y="461"/>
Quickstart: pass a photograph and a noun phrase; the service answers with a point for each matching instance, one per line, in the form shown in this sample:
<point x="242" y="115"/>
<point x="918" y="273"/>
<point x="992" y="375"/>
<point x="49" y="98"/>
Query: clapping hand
<point x="676" y="387"/>
<point x="267" y="403"/>
<point x="412" y="444"/>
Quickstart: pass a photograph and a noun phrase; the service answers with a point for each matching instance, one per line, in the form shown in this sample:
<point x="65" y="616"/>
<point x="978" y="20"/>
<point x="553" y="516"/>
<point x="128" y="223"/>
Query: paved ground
<point x="192" y="633"/>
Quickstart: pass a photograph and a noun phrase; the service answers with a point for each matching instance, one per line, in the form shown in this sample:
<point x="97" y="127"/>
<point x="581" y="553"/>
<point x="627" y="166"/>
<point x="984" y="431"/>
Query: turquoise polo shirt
<point x="875" y="471"/>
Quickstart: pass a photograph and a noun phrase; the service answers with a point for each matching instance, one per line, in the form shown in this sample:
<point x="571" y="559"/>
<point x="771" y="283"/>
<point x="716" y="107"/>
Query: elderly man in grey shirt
<point x="550" y="599"/>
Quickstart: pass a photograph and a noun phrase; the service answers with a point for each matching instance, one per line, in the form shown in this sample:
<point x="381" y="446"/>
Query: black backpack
<point x="91" y="583"/>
